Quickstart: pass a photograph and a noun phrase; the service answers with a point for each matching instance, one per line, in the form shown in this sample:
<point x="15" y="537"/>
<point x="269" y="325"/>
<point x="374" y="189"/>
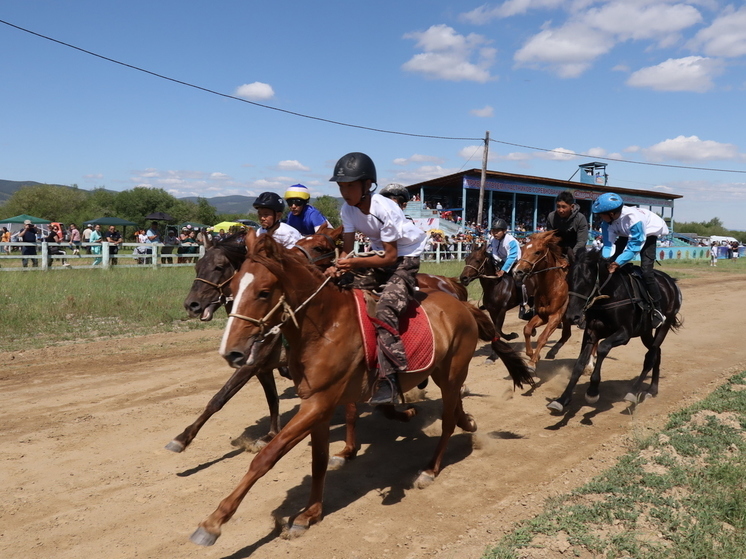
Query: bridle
<point x="533" y="265"/>
<point x="333" y="253"/>
<point x="480" y="269"/>
<point x="223" y="298"/>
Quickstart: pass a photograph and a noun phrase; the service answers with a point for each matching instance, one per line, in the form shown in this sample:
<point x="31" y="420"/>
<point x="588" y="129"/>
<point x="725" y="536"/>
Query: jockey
<point x="569" y="224"/>
<point x="503" y="247"/>
<point x="269" y="207"/>
<point x="633" y="231"/>
<point x="303" y="216"/>
<point x="399" y="243"/>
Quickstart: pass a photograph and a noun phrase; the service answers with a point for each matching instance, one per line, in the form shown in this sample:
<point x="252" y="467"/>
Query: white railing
<point x="155" y="255"/>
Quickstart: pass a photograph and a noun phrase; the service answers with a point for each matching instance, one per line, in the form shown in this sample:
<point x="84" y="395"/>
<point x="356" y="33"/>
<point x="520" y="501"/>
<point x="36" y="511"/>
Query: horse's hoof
<point x="203" y="537"/>
<point x="489" y="361"/>
<point x="511" y="336"/>
<point x="336" y="463"/>
<point x="175" y="446"/>
<point x="468" y="424"/>
<point x="531" y="368"/>
<point x="464" y="391"/>
<point x="424" y="480"/>
<point x="631" y="398"/>
<point x="555" y="407"/>
<point x="592" y="399"/>
<point x="647" y="395"/>
<point x="295" y="531"/>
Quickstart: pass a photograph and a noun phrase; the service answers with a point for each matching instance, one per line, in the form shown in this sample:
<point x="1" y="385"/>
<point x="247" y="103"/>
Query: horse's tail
<point x="515" y="364"/>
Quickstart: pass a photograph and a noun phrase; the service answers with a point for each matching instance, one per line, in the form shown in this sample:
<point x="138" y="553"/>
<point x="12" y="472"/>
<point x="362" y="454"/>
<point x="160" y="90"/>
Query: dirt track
<point x="84" y="472"/>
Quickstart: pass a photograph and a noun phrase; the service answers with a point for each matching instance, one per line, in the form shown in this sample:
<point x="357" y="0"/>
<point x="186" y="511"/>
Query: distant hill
<point x="8" y="188"/>
<point x="228" y="204"/>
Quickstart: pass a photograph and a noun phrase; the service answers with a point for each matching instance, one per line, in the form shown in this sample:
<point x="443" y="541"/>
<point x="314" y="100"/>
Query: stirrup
<point x="526" y="314"/>
<point x="657" y="318"/>
<point x="386" y="391"/>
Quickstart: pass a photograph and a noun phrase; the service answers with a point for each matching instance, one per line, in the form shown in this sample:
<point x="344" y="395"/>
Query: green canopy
<point x="117" y="221"/>
<point x="23" y="217"/>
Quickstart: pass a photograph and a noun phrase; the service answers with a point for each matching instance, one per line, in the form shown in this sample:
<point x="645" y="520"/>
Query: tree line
<point x="707" y="228"/>
<point x="73" y="205"/>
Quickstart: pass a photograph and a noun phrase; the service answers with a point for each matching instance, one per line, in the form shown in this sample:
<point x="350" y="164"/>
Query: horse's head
<point x="583" y="282"/>
<point x="474" y="265"/>
<point x="211" y="287"/>
<point x="542" y="251"/>
<point x="321" y="248"/>
<point x="266" y="289"/>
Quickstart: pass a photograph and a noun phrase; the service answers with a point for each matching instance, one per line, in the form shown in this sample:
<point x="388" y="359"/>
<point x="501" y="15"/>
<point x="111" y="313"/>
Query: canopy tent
<point x="116" y="221"/>
<point x="226" y="225"/>
<point x="23" y="217"/>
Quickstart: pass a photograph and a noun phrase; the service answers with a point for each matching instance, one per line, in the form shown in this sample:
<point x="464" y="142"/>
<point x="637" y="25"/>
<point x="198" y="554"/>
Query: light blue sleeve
<point x="512" y="256"/>
<point x="605" y="237"/>
<point x="634" y="243"/>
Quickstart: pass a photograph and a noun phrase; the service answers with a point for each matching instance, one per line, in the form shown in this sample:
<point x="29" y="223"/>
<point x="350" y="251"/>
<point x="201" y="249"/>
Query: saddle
<point x="637" y="288"/>
<point x="414" y="328"/>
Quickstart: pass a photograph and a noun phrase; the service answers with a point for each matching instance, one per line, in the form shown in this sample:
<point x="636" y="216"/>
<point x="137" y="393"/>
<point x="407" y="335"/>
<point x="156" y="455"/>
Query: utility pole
<point x="484" y="177"/>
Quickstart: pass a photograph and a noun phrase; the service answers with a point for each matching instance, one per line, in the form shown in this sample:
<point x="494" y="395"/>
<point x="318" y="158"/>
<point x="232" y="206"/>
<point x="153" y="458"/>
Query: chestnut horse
<point x="277" y="290"/>
<point x="542" y="262"/>
<point x="614" y="309"/>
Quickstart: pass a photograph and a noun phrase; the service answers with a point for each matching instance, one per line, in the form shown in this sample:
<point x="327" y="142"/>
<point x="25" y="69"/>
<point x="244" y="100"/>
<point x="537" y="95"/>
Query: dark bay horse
<point x="500" y="294"/>
<point x="615" y="310"/>
<point x="277" y="290"/>
<point x="542" y="263"/>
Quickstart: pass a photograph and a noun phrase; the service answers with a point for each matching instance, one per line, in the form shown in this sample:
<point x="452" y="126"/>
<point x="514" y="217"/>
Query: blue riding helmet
<point x="607" y="203"/>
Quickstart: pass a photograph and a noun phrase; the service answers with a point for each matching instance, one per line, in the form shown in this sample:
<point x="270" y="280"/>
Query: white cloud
<point x="447" y="55"/>
<point x="426" y="172"/>
<point x="726" y="36"/>
<point x="94" y="176"/>
<point x="485" y="112"/>
<point x="486" y="13"/>
<point x="692" y="73"/>
<point x="418" y="158"/>
<point x="629" y="20"/>
<point x="567" y="51"/>
<point x="691" y="149"/>
<point x="219" y="176"/>
<point x="292" y="165"/>
<point x="256" y="91"/>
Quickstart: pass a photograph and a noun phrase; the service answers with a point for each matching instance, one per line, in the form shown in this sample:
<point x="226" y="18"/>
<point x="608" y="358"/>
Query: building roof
<point x="456" y="181"/>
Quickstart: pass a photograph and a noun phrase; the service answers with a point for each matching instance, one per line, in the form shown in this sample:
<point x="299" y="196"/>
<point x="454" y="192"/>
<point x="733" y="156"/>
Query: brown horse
<point x="542" y="262"/>
<point x="500" y="294"/>
<point x="277" y="290"/>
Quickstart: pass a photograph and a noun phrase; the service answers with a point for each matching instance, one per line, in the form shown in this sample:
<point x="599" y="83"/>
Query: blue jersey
<point x="308" y="221"/>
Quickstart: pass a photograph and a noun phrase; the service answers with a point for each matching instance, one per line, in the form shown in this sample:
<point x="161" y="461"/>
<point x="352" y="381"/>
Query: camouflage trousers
<point x="397" y="292"/>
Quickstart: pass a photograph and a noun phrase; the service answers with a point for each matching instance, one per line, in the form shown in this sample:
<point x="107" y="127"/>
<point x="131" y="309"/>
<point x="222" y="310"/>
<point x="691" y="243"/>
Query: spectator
<point x="170" y="242"/>
<point x="303" y="216"/>
<point x="75" y="239"/>
<point x="153" y="234"/>
<point x="28" y="235"/>
<point x="96" y="248"/>
<point x="53" y="238"/>
<point x="114" y="238"/>
<point x="5" y="238"/>
<point x="714" y="253"/>
<point x="87" y="237"/>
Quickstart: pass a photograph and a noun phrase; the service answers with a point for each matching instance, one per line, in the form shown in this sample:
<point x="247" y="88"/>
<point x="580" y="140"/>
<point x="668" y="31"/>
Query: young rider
<point x="506" y="251"/>
<point x="269" y="207"/>
<point x="400" y="244"/>
<point x="634" y="231"/>
<point x="398" y="193"/>
<point x="303" y="216"/>
<point x="569" y="224"/>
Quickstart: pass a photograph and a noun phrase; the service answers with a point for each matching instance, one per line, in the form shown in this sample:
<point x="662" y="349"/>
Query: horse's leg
<point x="319" y="460"/>
<point x="529" y="330"/>
<point x="238" y="379"/>
<point x="298" y="428"/>
<point x="566" y="333"/>
<point x="350" y="450"/>
<point x="267" y="380"/>
<point x="589" y="343"/>
<point x="390" y="412"/>
<point x="504" y="300"/>
<point x="552" y="323"/>
<point x="652" y="362"/>
<point x="620" y="337"/>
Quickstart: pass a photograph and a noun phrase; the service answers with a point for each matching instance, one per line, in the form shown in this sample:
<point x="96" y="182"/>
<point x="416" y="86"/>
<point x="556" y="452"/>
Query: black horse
<point x="500" y="294"/>
<point x="614" y="309"/>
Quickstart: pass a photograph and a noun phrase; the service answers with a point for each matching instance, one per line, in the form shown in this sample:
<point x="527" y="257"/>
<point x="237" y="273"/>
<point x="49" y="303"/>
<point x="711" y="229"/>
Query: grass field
<point x="63" y="305"/>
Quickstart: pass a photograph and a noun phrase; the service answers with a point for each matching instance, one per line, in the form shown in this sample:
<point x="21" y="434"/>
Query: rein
<point x="334" y="253"/>
<point x="533" y="272"/>
<point x="222" y="297"/>
<point x="287" y="314"/>
<point x="590" y="300"/>
<point x="480" y="273"/>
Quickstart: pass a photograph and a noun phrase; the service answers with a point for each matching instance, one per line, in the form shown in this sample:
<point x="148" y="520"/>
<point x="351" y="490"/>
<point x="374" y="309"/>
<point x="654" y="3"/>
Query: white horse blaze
<point x="243" y="284"/>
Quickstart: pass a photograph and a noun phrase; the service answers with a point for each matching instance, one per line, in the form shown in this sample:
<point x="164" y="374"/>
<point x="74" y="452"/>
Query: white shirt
<point x="385" y="224"/>
<point x="284" y="234"/>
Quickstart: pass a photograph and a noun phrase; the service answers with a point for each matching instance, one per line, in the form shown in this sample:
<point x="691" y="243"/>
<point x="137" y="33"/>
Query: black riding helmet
<point x="353" y="167"/>
<point x="270" y="200"/>
<point x="499" y="224"/>
<point x="395" y="190"/>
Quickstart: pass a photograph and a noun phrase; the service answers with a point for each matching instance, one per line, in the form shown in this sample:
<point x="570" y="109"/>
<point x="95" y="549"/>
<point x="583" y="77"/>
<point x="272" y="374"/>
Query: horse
<point x="614" y="309"/>
<point x="277" y="290"/>
<point x="500" y="294"/>
<point x="542" y="262"/>
<point x="210" y="290"/>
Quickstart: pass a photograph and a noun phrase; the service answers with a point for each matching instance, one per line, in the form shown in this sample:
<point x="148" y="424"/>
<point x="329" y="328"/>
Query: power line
<point x="358" y="126"/>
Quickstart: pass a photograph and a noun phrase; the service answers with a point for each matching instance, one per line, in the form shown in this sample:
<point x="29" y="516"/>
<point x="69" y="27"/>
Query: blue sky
<point x="644" y="81"/>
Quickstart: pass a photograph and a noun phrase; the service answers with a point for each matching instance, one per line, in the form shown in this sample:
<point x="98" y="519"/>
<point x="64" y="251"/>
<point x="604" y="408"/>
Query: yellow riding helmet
<point x="297" y="191"/>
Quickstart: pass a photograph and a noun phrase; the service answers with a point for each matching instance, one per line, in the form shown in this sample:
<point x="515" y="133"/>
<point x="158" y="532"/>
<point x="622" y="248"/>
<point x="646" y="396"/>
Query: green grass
<point x="680" y="494"/>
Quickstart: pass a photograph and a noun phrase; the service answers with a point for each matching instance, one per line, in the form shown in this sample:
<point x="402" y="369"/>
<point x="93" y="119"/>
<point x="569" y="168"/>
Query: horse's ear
<point x="323" y="228"/>
<point x="337" y="232"/>
<point x="250" y="240"/>
<point x="272" y="248"/>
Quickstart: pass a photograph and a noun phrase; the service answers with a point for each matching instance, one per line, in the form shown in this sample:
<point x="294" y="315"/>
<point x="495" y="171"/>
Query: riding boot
<point x="656" y="314"/>
<point x="387" y="390"/>
<point x="391" y="359"/>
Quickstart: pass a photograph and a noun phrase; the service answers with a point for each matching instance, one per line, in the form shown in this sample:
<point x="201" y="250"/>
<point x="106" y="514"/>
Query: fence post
<point x="105" y="262"/>
<point x="44" y="256"/>
<point x="156" y="255"/>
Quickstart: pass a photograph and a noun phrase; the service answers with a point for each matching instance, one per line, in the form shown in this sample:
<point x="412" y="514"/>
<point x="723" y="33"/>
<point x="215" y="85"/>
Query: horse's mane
<point x="233" y="248"/>
<point x="551" y="241"/>
<point x="277" y="259"/>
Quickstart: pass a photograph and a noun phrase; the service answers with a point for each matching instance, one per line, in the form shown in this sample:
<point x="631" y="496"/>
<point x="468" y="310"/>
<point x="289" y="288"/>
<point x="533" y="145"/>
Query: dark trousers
<point x="647" y="261"/>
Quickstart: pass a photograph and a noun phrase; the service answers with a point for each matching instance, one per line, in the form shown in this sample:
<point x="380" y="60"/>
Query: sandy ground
<point x="84" y="472"/>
